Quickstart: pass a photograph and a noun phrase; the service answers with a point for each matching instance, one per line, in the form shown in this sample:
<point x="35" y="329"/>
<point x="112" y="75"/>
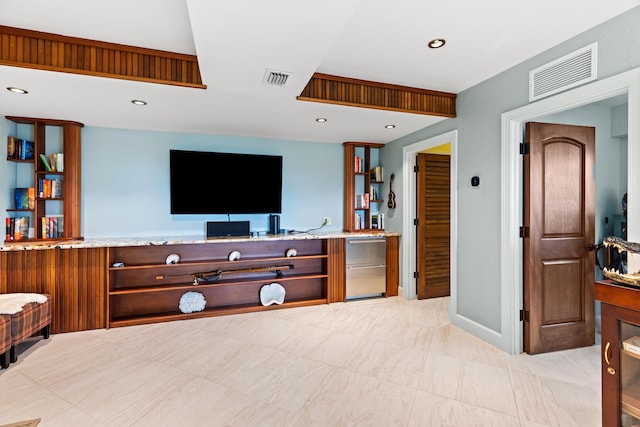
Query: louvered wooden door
<point x="433" y="231"/>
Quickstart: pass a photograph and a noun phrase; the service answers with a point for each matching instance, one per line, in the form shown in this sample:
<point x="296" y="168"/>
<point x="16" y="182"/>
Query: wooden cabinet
<point x="74" y="277"/>
<point x="620" y="354"/>
<point x="49" y="137"/>
<point x="362" y="186"/>
<point x="143" y="288"/>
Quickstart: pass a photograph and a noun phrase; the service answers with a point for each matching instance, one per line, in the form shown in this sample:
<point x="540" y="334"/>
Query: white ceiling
<point x="237" y="40"/>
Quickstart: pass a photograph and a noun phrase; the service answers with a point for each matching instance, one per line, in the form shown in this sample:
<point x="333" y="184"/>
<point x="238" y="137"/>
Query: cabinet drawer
<point x="366" y="280"/>
<point x="370" y="251"/>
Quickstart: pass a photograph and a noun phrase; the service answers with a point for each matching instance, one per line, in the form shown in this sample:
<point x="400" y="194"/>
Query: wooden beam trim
<point x="53" y="52"/>
<point x="339" y="90"/>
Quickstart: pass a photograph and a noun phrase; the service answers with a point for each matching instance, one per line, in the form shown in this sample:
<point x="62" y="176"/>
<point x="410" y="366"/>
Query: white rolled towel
<point x="13" y="303"/>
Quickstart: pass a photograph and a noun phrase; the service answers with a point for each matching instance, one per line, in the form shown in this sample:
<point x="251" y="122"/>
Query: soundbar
<point x="227" y="228"/>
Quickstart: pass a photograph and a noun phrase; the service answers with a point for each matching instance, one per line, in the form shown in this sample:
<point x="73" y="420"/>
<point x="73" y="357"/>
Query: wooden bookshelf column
<point x="357" y="182"/>
<point x="70" y="175"/>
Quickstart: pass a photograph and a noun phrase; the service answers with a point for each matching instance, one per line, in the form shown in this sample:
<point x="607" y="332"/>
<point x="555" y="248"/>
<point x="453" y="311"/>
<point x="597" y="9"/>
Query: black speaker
<point x="274" y="224"/>
<point x="227" y="228"/>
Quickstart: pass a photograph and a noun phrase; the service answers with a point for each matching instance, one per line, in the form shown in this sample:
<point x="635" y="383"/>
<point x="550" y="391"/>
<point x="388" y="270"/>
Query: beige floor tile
<point x="348" y="399"/>
<point x="469" y="382"/>
<point x="550" y="402"/>
<point x="431" y="410"/>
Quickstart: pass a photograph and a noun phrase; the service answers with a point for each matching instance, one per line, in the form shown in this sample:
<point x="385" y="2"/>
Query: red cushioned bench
<point x="33" y="320"/>
<point x="5" y="340"/>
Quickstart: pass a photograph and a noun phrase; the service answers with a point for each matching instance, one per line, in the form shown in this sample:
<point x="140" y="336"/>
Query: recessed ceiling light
<point x="390" y="126"/>
<point x="321" y="120"/>
<point x="436" y="43"/>
<point x="138" y="102"/>
<point x="17" y="90"/>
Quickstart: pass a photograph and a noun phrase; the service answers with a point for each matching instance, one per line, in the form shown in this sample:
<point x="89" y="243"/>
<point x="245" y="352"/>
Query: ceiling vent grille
<point x="571" y="70"/>
<point x="276" y="78"/>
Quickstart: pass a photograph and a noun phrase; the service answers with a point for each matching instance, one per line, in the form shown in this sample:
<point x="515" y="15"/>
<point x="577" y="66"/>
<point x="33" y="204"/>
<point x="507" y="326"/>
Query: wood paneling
<point x="74" y="278"/>
<point x="361" y="93"/>
<point x="336" y="290"/>
<point x="393" y="266"/>
<point x="54" y="52"/>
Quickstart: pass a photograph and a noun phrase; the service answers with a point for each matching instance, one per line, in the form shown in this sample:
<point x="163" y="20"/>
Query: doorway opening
<point x="627" y="83"/>
<point x="409" y="241"/>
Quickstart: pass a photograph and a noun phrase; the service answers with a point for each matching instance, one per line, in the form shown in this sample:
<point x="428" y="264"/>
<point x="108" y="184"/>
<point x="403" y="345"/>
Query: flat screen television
<point x="204" y="182"/>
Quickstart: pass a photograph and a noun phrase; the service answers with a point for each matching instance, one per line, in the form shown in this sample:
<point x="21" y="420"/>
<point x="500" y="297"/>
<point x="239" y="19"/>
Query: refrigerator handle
<point x="360" y="267"/>
<point x="362" y="241"/>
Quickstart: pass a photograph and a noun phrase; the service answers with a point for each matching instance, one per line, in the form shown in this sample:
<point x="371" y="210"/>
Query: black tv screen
<point x="204" y="182"/>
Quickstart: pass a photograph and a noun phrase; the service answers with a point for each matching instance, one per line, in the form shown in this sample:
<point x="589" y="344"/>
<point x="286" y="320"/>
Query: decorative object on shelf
<point x="190" y="302"/>
<point x="172" y="259"/>
<point x="291" y="252"/>
<point x="235" y="255"/>
<point x="273" y="293"/>
<point x="391" y="204"/>
<point x="212" y="276"/>
<point x="117" y="264"/>
<point x="619" y="273"/>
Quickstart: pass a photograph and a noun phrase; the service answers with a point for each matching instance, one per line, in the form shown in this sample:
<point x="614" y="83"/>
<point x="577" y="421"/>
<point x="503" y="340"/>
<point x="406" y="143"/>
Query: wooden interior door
<point x="559" y="210"/>
<point x="433" y="230"/>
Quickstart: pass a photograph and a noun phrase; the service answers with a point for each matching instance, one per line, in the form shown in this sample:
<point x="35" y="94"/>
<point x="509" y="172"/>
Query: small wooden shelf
<point x="209" y="312"/>
<point x="191" y="287"/>
<point x="630" y="400"/>
<point x="243" y="263"/>
<point x="21" y="160"/>
<point x="630" y="353"/>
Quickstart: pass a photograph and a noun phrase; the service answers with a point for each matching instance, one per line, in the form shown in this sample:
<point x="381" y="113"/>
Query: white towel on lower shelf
<point x="13" y="303"/>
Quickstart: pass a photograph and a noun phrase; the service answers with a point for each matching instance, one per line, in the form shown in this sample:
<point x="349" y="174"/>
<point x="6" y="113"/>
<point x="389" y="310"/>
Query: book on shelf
<point x="19" y="149"/>
<point x="45" y="162"/>
<point x="359" y="164"/>
<point x="359" y="223"/>
<point x="632" y="345"/>
<point x="50" y="188"/>
<point x="373" y="193"/>
<point x="362" y="201"/>
<point x="376" y="174"/>
<point x="17" y="228"/>
<point x="377" y="221"/>
<point x="52" y="226"/>
<point x="56" y="162"/>
<point x="25" y="198"/>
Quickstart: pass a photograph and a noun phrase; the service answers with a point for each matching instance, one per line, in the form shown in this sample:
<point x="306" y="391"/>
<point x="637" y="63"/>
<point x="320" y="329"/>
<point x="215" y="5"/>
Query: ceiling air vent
<point x="571" y="70"/>
<point x="276" y="78"/>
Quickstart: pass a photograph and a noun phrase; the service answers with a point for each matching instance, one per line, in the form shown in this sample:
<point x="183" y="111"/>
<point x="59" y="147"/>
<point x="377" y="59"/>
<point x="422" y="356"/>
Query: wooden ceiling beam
<point x="54" y="52"/>
<point x="362" y="93"/>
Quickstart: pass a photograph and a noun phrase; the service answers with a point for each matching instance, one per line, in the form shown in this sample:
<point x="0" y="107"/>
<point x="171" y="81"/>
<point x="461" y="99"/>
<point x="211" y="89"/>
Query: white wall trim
<point x="409" y="152"/>
<point x="511" y="199"/>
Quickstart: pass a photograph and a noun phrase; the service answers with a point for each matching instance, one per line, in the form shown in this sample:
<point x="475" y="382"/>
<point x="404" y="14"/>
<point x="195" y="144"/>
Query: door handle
<point x="592" y="247"/>
<point x="610" y="369"/>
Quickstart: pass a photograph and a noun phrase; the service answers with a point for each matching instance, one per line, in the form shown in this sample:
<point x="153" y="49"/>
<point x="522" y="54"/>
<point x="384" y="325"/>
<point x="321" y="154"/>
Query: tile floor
<point x="380" y="362"/>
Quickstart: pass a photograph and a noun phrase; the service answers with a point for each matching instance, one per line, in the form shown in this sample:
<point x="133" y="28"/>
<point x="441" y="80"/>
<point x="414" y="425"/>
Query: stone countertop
<point x="177" y="240"/>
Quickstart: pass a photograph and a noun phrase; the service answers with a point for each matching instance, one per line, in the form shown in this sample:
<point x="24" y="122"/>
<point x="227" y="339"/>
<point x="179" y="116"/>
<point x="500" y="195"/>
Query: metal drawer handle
<point x="353" y="242"/>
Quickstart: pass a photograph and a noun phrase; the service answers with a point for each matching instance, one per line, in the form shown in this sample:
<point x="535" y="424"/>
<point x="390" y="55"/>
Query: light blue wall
<point x="125" y="182"/>
<point x="478" y="122"/>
